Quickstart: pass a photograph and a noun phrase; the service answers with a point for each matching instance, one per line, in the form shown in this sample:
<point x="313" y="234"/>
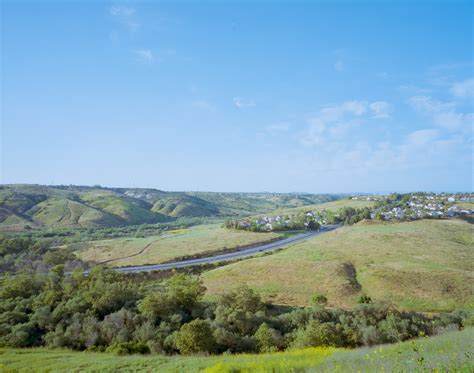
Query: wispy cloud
<point x="277" y="128"/>
<point x="331" y="122"/>
<point x="122" y="11"/>
<point x="444" y="74"/>
<point x="381" y="109"/>
<point x="443" y="114"/>
<point x="204" y="105"/>
<point x="242" y="103"/>
<point x="422" y="137"/>
<point x="125" y="15"/>
<point x="144" y="55"/>
<point x="464" y="89"/>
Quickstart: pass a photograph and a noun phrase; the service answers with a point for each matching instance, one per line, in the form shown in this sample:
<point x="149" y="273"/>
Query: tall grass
<point x="290" y="361"/>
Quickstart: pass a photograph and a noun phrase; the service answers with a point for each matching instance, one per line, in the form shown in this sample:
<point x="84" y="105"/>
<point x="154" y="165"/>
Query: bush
<point x="128" y="348"/>
<point x="364" y="299"/>
<point x="316" y="334"/>
<point x="195" y="337"/>
<point x="267" y="338"/>
<point x="318" y="300"/>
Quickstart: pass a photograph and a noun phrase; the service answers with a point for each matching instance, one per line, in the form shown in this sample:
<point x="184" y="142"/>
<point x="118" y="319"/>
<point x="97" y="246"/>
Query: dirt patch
<point x="348" y="271"/>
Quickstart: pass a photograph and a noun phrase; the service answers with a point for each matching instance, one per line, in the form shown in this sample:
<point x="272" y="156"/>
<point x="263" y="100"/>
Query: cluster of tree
<point x="349" y="215"/>
<point x="391" y="201"/>
<point x="16" y="254"/>
<point x="302" y="220"/>
<point x="107" y="311"/>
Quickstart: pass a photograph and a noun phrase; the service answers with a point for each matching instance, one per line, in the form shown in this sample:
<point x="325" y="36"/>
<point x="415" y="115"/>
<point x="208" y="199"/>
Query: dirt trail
<point x="144" y="248"/>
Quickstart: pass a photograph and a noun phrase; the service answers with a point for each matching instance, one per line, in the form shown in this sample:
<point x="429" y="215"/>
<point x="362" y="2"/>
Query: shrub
<point x="128" y="348"/>
<point x="267" y="338"/>
<point x="195" y="337"/>
<point x="364" y="299"/>
<point x="316" y="334"/>
<point x="318" y="300"/>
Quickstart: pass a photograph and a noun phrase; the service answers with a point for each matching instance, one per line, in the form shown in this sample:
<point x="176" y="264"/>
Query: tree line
<point x="301" y="220"/>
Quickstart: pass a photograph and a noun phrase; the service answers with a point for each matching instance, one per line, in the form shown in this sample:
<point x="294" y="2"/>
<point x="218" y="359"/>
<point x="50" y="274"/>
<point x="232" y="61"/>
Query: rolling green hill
<point x="63" y="212"/>
<point x="423" y="265"/>
<point x="38" y="206"/>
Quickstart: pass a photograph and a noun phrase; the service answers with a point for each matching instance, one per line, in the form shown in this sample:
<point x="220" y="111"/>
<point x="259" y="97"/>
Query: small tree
<point x="318" y="300"/>
<point x="267" y="338"/>
<point x="313" y="225"/>
<point x="316" y="334"/>
<point x="364" y="299"/>
<point x="195" y="337"/>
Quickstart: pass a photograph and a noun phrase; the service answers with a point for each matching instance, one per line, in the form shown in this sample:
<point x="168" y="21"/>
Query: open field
<point x="448" y="352"/>
<point x="170" y="245"/>
<point x="423" y="265"/>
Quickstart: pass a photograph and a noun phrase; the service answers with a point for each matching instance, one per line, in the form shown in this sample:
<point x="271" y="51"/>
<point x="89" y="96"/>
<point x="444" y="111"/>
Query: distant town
<point x="398" y="207"/>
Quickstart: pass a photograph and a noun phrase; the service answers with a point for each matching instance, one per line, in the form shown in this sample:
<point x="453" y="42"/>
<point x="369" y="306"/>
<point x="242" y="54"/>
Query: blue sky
<point x="239" y="96"/>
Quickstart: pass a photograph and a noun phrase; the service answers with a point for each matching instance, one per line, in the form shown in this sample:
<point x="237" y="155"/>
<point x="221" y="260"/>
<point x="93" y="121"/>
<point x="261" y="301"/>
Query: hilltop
<point x="41" y="206"/>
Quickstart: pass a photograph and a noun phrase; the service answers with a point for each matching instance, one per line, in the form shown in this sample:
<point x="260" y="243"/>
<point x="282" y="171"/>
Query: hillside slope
<point x="36" y="206"/>
<point x="63" y="212"/>
<point x="424" y="265"/>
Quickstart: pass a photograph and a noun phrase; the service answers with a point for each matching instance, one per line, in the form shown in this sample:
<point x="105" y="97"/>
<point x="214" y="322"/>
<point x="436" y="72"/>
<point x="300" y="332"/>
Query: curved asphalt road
<point x="257" y="249"/>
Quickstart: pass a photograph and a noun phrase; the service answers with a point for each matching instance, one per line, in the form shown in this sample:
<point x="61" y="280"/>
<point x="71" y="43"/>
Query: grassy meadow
<point x="168" y="246"/>
<point x="452" y="351"/>
<point x="422" y="265"/>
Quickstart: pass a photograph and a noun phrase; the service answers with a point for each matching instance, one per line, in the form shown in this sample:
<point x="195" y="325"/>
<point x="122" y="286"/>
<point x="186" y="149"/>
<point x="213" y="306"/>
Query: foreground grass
<point x="423" y="266"/>
<point x="171" y="245"/>
<point x="449" y="352"/>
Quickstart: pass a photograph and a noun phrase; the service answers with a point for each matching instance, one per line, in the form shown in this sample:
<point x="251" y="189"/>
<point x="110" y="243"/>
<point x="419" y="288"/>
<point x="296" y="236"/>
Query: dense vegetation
<point x="107" y="311"/>
<point x="36" y="256"/>
<point x="26" y="207"/>
<point x="449" y="352"/>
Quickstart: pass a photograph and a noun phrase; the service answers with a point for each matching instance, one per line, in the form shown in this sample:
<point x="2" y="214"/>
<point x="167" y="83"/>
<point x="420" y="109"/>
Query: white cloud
<point x="381" y="109"/>
<point x="335" y="112"/>
<point x="464" y="89"/>
<point x="242" y="103"/>
<point x="443" y="114"/>
<point x="427" y="105"/>
<point x="125" y="15"/>
<point x="422" y="137"/>
<point x="144" y="55"/>
<point x="122" y="11"/>
<point x="331" y="122"/>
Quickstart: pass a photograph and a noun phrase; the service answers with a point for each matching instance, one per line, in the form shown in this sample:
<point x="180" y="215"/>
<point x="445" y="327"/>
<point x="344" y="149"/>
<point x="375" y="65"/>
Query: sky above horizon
<point x="361" y="96"/>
